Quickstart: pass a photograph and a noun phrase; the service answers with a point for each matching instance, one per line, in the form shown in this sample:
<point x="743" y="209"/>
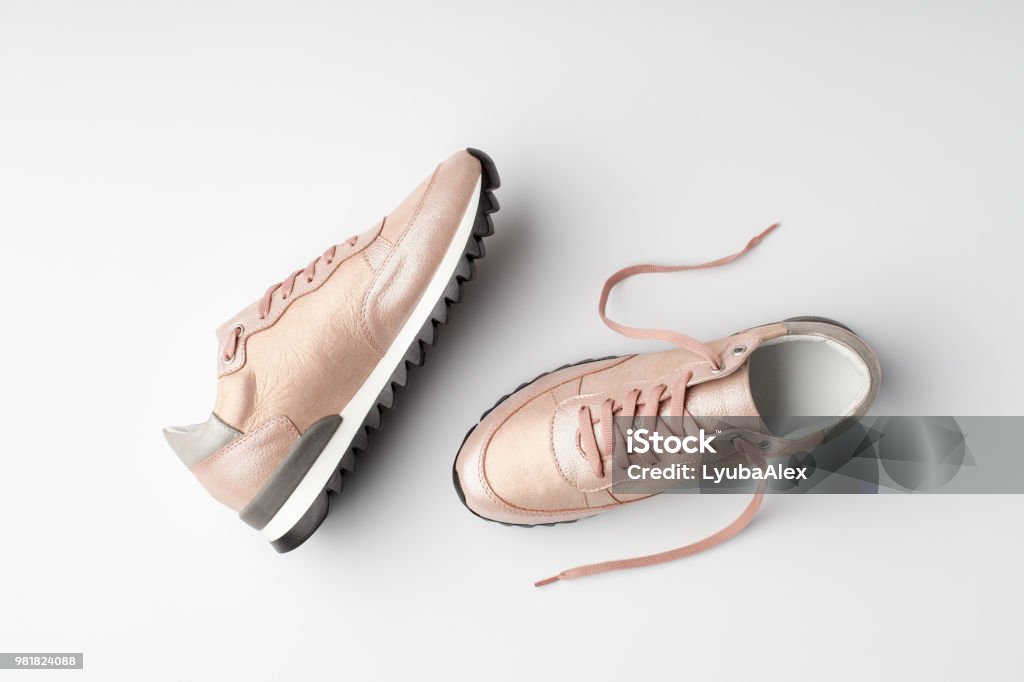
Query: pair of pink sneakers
<point x="304" y="373"/>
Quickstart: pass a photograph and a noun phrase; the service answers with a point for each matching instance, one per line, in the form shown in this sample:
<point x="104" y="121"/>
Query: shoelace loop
<point x="652" y="405"/>
<point x="286" y="286"/>
<point x="682" y="340"/>
<point x="651" y="408"/>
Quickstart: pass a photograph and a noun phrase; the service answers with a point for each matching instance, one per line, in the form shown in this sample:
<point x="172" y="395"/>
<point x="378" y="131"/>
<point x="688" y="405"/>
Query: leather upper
<point x="524" y="462"/>
<point x="314" y="349"/>
<point x="235" y="473"/>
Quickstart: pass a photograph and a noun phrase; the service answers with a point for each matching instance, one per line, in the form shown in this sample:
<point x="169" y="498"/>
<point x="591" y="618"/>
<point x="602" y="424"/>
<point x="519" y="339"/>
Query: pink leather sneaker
<point x="304" y="372"/>
<point x="543" y="455"/>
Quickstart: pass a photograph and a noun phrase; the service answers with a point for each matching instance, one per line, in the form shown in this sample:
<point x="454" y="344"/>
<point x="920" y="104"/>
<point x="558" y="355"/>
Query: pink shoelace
<point x="651" y="408"/>
<point x="286" y="287"/>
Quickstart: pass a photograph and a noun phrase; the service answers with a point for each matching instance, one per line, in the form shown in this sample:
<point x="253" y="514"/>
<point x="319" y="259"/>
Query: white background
<point x="162" y="163"/>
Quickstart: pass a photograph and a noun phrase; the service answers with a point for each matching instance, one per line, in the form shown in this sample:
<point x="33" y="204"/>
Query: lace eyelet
<point x="717" y="370"/>
<point x="237" y="330"/>
<point x="739" y="350"/>
<point x="763" y="445"/>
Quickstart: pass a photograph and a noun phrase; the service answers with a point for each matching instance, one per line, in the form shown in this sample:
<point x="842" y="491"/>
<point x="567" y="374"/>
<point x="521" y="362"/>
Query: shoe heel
<point x="823" y="320"/>
<point x="306" y="526"/>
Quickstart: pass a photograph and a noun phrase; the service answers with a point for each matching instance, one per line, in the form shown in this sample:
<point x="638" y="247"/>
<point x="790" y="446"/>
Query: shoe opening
<point x="799" y="376"/>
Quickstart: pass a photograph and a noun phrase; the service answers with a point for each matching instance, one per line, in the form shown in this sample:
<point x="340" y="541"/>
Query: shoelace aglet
<point x="768" y="230"/>
<point x="548" y="581"/>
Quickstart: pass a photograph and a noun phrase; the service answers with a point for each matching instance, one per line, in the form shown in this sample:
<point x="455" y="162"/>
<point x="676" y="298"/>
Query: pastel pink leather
<point x="235" y="473"/>
<point x="313" y="350"/>
<point x="316" y="348"/>
<point x="524" y="464"/>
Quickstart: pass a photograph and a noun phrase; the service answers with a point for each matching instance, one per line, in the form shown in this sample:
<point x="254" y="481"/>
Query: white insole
<point x="805" y="375"/>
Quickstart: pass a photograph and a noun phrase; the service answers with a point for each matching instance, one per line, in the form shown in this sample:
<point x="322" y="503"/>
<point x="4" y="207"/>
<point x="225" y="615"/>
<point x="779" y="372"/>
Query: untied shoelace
<point x="677" y="407"/>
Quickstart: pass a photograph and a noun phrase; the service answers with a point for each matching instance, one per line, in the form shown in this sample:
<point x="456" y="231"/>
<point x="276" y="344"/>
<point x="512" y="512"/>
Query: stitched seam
<point x="364" y="314"/>
<point x="240" y="355"/>
<point x="246" y="440"/>
<point x="751" y="346"/>
<point x="383" y="244"/>
<point x="490" y="434"/>
<point x="494" y="430"/>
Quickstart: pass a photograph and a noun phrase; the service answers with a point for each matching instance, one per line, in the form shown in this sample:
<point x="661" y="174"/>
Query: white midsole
<point x="355" y="412"/>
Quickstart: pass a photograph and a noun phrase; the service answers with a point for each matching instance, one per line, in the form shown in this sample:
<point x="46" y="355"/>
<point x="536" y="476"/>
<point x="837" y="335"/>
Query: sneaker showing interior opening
<point x="805" y="376"/>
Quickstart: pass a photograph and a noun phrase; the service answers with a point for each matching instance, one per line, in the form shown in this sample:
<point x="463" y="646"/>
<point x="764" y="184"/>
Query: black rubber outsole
<point x="455" y="473"/>
<point x="483" y="227"/>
